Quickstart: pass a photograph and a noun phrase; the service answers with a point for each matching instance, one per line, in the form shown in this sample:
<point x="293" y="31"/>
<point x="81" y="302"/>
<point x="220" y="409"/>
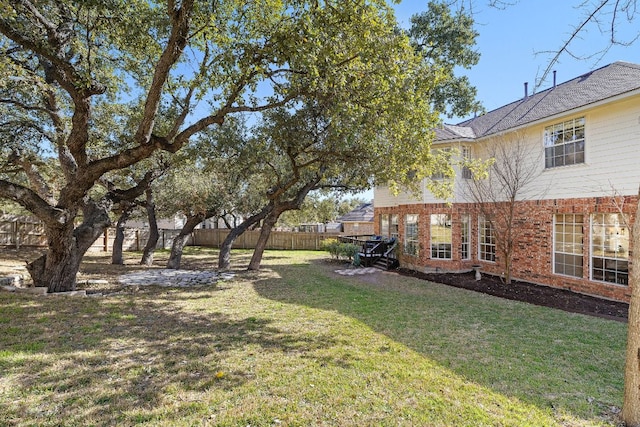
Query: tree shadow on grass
<point x="557" y="361"/>
<point x="98" y="362"/>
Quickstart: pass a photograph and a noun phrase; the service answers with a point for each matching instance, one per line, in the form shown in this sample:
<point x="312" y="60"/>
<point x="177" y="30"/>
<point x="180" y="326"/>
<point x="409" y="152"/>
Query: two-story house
<point x="571" y="221"/>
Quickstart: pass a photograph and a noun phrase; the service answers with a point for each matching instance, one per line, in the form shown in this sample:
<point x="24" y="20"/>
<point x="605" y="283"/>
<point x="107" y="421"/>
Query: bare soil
<point x="531" y="293"/>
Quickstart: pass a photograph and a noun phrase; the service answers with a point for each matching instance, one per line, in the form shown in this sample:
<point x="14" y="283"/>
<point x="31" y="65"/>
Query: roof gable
<point x="598" y="85"/>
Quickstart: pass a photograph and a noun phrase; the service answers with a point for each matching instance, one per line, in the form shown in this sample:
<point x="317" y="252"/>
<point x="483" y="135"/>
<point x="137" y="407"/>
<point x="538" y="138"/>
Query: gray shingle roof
<point x="454" y="132"/>
<point x="595" y="86"/>
<point x="362" y="213"/>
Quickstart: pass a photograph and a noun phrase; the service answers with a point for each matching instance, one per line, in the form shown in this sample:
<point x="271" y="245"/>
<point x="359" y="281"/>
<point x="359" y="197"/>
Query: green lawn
<point x="297" y="345"/>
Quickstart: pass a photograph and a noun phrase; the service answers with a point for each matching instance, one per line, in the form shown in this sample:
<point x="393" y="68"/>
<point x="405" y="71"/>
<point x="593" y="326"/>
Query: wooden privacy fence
<point x="277" y="239"/>
<point x="18" y="231"/>
<point x="134" y="240"/>
<point x="21" y="231"/>
<point x="26" y="231"/>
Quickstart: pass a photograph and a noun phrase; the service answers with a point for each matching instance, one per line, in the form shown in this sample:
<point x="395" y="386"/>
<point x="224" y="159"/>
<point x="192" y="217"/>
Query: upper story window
<point x="466" y="156"/>
<point x="442" y="162"/>
<point x="564" y="143"/>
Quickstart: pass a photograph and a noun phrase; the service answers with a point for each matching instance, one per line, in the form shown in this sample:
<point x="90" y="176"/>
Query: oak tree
<point x="96" y="87"/>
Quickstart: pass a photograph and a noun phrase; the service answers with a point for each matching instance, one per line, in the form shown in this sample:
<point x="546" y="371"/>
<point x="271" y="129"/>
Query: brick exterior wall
<point x="532" y="259"/>
<point x="357" y="228"/>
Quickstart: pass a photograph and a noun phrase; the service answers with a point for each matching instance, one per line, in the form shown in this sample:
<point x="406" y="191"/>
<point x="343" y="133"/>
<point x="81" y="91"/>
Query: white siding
<point x="612" y="156"/>
<point x="383" y="197"/>
<point x="612" y="159"/>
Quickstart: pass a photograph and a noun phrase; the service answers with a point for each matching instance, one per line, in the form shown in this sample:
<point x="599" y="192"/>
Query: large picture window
<point x="411" y="243"/>
<point x="441" y="236"/>
<point x="465" y="237"/>
<point x="564" y="143"/>
<point x="486" y="240"/>
<point x="609" y="248"/>
<point x="568" y="244"/>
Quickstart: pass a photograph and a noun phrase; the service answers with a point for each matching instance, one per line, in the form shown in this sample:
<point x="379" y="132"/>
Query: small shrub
<point x="349" y="250"/>
<point x="339" y="250"/>
<point x="332" y="246"/>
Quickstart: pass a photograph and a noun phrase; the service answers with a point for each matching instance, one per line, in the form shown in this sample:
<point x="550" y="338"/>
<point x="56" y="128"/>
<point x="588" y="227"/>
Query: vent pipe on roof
<point x="554" y="79"/>
<point x="526" y="89"/>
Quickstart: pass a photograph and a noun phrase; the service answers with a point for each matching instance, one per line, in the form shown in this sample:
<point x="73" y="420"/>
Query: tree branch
<point x="180" y="18"/>
<point x="572" y="37"/>
<point x="30" y="200"/>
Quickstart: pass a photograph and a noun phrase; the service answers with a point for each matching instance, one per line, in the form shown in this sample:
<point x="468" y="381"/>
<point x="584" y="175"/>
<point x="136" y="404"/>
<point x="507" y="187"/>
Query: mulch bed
<point x="527" y="292"/>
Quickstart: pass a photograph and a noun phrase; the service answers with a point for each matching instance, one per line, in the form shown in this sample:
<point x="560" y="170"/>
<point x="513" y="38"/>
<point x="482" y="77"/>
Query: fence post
<point x="15" y="227"/>
<point x="14" y="234"/>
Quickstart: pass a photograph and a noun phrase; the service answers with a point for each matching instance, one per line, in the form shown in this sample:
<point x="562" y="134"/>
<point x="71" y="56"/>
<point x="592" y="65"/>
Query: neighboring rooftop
<point x="362" y="213"/>
<point x="598" y="85"/>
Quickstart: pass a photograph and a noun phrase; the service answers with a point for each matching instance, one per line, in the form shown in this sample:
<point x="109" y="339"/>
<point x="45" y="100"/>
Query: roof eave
<point x="449" y="141"/>
<point x="553" y="117"/>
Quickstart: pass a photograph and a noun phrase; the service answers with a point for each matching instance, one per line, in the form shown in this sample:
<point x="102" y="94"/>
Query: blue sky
<point x="512" y="43"/>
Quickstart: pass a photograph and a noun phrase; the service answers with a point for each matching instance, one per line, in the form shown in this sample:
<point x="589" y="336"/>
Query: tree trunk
<point x="277" y="208"/>
<point x="67" y="243"/>
<point x="224" y="258"/>
<point x="631" y="403"/>
<point x="508" y="260"/>
<point x="154" y="235"/>
<point x="180" y="240"/>
<point x="118" y="242"/>
<point x="507" y="269"/>
<point x="57" y="269"/>
<point x="267" y="225"/>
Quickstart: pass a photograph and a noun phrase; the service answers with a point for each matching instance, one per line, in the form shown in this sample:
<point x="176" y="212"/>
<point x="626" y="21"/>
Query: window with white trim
<point x="411" y="243"/>
<point x="486" y="240"/>
<point x="465" y="237"/>
<point x="441" y="237"/>
<point x="466" y="156"/>
<point x="384" y="225"/>
<point x="564" y="143"/>
<point x="568" y="235"/>
<point x="442" y="157"/>
<point x="609" y="248"/>
<point x="393" y="226"/>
